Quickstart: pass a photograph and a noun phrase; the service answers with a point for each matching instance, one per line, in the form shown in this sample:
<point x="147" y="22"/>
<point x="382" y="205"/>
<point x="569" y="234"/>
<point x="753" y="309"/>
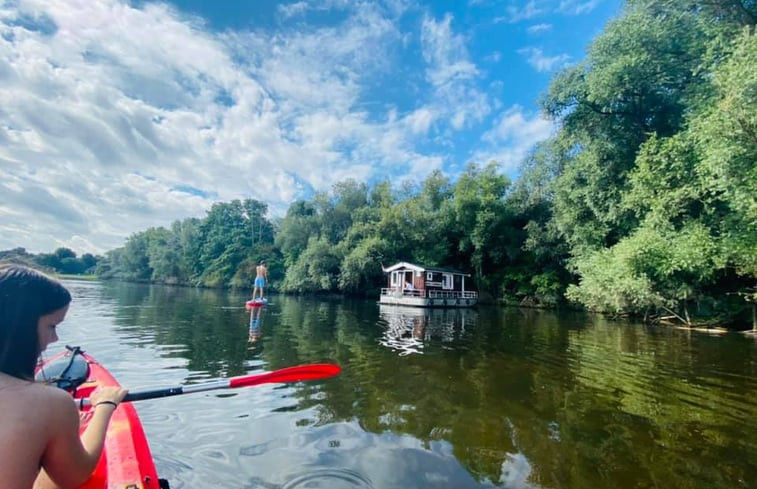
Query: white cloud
<point x="293" y="9"/>
<point x="513" y="134"/>
<point x="494" y="57"/>
<point x="578" y="7"/>
<point x="108" y="109"/>
<point x="540" y="61"/>
<point x="419" y="122"/>
<point x="303" y="6"/>
<point x="539" y="28"/>
<point x="515" y="13"/>
<point x="445" y="53"/>
<point x="452" y="74"/>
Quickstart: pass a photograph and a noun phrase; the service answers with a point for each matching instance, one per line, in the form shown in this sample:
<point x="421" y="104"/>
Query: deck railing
<point x="431" y="294"/>
<point x="449" y="294"/>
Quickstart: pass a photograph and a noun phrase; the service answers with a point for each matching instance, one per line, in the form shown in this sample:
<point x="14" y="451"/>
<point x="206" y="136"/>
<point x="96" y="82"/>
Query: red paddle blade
<point x="290" y="374"/>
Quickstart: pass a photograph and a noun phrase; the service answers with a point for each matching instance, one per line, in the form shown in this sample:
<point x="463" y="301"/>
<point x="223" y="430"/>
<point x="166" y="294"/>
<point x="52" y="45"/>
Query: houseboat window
<point x="394" y="278"/>
<point x="429" y="276"/>
<point x="447" y="281"/>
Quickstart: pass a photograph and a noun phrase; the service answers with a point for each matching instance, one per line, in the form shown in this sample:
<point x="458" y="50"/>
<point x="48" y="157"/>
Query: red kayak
<point x="126" y="461"/>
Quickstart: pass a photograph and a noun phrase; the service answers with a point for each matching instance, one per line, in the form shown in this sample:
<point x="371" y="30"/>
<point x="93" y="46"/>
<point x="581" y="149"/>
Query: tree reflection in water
<point x="500" y="397"/>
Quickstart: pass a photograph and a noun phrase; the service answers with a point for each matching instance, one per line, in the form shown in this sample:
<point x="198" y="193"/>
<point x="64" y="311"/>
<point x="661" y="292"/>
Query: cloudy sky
<point x="119" y="116"/>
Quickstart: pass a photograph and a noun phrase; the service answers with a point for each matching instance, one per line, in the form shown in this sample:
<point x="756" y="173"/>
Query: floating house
<point x="417" y="285"/>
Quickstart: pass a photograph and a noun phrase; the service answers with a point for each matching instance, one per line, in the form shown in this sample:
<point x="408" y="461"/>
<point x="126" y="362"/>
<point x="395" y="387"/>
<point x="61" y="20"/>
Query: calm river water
<point x="481" y="398"/>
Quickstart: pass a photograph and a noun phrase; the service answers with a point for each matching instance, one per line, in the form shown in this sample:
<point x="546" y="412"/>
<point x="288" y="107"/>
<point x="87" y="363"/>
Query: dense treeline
<point x="219" y="250"/>
<point x="337" y="241"/>
<point x="644" y="201"/>
<point x="62" y="260"/>
<point x="652" y="177"/>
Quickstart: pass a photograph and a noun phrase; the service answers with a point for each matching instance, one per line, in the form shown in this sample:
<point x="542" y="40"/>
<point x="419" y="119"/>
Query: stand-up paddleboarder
<point x="261" y="278"/>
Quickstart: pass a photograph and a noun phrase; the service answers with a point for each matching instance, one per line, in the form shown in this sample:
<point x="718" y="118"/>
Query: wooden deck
<point x="430" y="298"/>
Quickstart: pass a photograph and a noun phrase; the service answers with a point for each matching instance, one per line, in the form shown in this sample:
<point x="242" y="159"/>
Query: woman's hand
<point x="111" y="394"/>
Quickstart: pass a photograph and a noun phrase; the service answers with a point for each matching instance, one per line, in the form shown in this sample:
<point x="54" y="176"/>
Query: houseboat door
<point x="447" y="281"/>
<point x="408" y="278"/>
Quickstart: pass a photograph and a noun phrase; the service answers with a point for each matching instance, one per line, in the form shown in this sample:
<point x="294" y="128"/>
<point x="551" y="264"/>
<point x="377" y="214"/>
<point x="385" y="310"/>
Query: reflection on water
<point x="499" y="398"/>
<point x="256" y="331"/>
<point x="408" y="329"/>
<point x="328" y="479"/>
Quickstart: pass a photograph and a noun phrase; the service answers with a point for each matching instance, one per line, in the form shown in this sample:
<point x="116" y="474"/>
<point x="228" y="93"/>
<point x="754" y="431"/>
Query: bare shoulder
<point x="55" y="404"/>
<point x="58" y="397"/>
<point x="50" y="393"/>
<point x="33" y="412"/>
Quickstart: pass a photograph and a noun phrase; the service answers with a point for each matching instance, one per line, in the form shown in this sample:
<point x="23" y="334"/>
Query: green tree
<point x="360" y="270"/>
<point x="481" y="216"/>
<point x="316" y="269"/>
<point x="295" y="230"/>
<point x="538" y="274"/>
<point x="725" y="136"/>
<point x="636" y="81"/>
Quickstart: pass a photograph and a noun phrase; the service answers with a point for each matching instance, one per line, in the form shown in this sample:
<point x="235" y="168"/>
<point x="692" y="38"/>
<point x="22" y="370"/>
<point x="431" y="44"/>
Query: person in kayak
<point x="39" y="435"/>
<point x="261" y="278"/>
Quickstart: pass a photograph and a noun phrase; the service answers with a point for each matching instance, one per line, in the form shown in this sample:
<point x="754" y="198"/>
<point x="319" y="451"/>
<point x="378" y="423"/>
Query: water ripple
<point x="327" y="478"/>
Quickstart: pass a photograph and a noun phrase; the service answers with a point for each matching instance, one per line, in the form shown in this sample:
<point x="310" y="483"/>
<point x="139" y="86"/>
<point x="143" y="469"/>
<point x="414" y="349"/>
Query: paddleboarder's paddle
<point x="290" y="374"/>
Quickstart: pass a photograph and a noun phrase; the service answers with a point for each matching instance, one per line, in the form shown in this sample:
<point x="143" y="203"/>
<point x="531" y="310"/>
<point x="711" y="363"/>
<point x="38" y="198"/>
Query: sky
<point x="118" y="116"/>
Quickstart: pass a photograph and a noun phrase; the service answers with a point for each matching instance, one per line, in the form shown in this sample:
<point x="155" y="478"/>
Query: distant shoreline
<point x="66" y="276"/>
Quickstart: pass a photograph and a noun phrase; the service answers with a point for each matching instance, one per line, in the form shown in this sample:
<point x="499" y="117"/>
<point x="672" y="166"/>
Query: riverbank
<point x="68" y="276"/>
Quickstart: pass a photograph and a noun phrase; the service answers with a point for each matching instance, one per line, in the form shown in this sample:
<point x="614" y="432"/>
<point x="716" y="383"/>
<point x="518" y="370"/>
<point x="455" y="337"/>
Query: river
<point x="480" y="398"/>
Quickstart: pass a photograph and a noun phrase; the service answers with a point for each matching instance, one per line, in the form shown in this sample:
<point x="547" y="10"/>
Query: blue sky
<point x="119" y="116"/>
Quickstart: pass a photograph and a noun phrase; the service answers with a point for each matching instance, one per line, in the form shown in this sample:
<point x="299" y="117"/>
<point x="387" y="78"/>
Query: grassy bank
<point x="66" y="276"/>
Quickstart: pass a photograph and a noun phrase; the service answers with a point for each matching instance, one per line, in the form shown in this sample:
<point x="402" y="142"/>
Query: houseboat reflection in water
<point x="409" y="330"/>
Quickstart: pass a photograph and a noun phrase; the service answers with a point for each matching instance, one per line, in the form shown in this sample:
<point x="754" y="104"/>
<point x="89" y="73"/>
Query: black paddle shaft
<point x="153" y="394"/>
<point x="176" y="390"/>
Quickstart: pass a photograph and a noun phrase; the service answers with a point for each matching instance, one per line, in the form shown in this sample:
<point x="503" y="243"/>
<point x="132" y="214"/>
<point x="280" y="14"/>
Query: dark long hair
<point x="25" y="296"/>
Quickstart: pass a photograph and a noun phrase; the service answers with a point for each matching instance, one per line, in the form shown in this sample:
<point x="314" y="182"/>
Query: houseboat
<point x="422" y="286"/>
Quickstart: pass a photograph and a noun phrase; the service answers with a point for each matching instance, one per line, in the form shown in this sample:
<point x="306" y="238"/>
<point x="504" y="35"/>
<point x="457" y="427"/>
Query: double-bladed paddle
<point x="299" y="373"/>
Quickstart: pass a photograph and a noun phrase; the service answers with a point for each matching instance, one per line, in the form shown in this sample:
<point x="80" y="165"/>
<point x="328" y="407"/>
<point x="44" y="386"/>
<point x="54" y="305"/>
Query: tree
<point x="316" y="269"/>
<point x="360" y="270"/>
<point x="637" y="80"/>
<point x="481" y="217"/>
<point x="295" y="230"/>
<point x="688" y="195"/>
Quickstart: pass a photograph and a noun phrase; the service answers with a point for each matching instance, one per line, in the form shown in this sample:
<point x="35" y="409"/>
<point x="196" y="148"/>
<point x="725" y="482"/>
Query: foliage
<point x="62" y="260"/>
<point x="653" y="268"/>
<point x="360" y="269"/>
<point x="480" y="217"/>
<point x="220" y="250"/>
<point x="654" y="190"/>
<point x="295" y="230"/>
<point x="725" y="136"/>
<point x="316" y="269"/>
